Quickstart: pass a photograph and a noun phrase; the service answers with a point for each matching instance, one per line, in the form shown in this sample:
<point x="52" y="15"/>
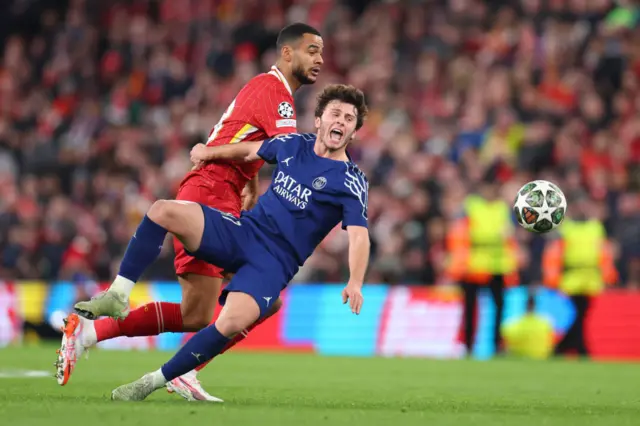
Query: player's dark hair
<point x="294" y="32"/>
<point x="343" y="93"/>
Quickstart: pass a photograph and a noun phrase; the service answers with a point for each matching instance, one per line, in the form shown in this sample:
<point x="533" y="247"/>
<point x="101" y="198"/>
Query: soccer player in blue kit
<point x="315" y="186"/>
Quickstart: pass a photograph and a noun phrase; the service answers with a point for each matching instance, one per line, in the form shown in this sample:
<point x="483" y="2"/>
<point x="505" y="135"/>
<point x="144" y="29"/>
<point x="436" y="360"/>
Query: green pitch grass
<point x="278" y="390"/>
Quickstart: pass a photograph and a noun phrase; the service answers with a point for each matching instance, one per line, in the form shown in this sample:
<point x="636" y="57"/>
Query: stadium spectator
<point x="101" y="101"/>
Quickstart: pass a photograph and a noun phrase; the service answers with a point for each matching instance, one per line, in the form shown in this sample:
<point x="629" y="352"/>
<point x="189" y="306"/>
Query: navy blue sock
<point x="144" y="247"/>
<point x="202" y="346"/>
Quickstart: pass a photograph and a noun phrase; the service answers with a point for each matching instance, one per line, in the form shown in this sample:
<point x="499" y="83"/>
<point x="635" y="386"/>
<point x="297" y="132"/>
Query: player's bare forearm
<point x="359" y="248"/>
<point x="241" y="152"/>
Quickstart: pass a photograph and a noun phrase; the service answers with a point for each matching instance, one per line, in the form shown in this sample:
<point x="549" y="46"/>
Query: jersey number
<point x="218" y="126"/>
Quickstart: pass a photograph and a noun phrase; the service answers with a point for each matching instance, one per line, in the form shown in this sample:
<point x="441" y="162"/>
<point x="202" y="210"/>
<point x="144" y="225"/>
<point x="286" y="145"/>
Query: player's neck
<point x="293" y="82"/>
<point x="322" y="151"/>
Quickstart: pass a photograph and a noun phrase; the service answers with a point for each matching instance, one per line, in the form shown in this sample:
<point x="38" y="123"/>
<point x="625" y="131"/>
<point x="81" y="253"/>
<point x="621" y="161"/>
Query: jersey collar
<point x="275" y="71"/>
<point x="348" y="156"/>
<point x="346" y="151"/>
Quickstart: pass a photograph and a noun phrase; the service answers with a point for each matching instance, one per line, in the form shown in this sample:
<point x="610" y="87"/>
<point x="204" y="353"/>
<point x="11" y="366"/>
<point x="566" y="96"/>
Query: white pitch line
<point x="21" y="374"/>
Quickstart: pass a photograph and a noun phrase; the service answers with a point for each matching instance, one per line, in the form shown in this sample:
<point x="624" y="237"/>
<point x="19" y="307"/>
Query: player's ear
<point x="286" y="53"/>
<point x="317" y="122"/>
<point x="353" y="136"/>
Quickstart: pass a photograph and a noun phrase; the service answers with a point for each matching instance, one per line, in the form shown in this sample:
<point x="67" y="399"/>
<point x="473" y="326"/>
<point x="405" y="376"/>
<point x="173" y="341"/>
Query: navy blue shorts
<point x="236" y="246"/>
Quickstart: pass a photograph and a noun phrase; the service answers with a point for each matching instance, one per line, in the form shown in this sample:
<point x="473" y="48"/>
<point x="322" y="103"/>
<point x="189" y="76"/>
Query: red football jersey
<point x="263" y="108"/>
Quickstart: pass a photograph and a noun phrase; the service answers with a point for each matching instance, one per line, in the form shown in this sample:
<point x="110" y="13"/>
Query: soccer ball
<point x="540" y="206"/>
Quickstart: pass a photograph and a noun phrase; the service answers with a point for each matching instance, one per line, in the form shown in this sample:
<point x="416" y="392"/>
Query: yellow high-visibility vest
<point x="530" y="336"/>
<point x="490" y="226"/>
<point x="583" y="244"/>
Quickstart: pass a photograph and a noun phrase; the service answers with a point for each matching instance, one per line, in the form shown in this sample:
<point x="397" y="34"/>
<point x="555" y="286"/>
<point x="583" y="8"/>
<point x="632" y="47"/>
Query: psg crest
<point x="319" y="182"/>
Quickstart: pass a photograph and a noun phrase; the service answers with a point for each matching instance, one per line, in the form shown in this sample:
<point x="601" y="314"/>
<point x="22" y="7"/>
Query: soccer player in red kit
<point x="262" y="109"/>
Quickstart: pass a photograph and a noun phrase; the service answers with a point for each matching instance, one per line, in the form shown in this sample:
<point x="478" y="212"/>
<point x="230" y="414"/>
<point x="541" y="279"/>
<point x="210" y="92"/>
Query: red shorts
<point x="219" y="196"/>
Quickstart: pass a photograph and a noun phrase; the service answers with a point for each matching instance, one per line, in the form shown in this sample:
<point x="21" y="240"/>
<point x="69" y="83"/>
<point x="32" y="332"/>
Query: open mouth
<point x="336" y="135"/>
<point x="315" y="71"/>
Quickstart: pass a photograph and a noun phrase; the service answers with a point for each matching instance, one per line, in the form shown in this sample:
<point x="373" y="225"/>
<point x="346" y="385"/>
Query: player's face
<point x="337" y="126"/>
<point x="307" y="59"/>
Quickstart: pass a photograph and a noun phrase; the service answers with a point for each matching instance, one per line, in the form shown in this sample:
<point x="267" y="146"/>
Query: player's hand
<point x="249" y="198"/>
<point x="198" y="155"/>
<point x="352" y="293"/>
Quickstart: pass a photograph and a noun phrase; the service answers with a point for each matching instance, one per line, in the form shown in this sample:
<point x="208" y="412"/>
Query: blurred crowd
<point x="101" y="101"/>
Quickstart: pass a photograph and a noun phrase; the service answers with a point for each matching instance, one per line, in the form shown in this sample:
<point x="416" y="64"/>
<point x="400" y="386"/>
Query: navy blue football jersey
<point x="309" y="195"/>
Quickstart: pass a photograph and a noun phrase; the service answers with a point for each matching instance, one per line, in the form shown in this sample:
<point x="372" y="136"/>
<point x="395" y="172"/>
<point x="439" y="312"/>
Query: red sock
<point x="147" y="320"/>
<point x="237" y="339"/>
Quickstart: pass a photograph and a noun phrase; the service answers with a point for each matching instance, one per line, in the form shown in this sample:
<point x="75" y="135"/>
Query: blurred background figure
<point x="531" y="335"/>
<point x="101" y="101"/>
<point x="579" y="263"/>
<point x="483" y="253"/>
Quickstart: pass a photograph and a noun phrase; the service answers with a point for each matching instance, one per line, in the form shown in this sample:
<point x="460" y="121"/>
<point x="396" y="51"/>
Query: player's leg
<point x="188" y="385"/>
<point x="247" y="298"/>
<point x="149" y="319"/>
<point x="200" y="282"/>
<point x="583" y="303"/>
<point x="496" y="286"/>
<point x="185" y="221"/>
<point x="245" y="333"/>
<point x="240" y="311"/>
<point x="200" y="291"/>
<point x="571" y="338"/>
<point x="199" y="297"/>
<point x="470" y="291"/>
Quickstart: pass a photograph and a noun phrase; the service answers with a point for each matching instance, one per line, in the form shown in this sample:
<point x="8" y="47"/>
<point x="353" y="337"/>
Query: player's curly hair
<point x="343" y="93"/>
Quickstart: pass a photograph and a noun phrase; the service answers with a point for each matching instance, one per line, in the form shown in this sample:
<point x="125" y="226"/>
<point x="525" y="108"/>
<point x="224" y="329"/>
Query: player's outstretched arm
<point x="241" y="152"/>
<point x="359" y="248"/>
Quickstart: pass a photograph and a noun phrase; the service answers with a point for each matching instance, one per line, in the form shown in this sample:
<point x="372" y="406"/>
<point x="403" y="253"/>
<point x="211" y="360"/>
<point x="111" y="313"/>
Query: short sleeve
<point x="276" y="113"/>
<point x="269" y="149"/>
<point x="355" y="199"/>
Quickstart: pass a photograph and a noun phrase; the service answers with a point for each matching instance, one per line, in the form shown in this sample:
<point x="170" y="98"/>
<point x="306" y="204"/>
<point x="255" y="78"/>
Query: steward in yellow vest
<point x="579" y="263"/>
<point x="482" y="252"/>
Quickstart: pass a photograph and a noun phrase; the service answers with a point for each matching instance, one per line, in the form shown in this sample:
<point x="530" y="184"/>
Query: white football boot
<point x="78" y="334"/>
<point x="189" y="387"/>
<point x="110" y="303"/>
<point x="138" y="390"/>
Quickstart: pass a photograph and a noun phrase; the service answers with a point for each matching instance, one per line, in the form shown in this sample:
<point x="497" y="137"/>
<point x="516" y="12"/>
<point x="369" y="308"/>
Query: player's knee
<point x="170" y="215"/>
<point x="163" y="213"/>
<point x="196" y="314"/>
<point x="231" y="326"/>
<point x="233" y="320"/>
<point x="195" y="321"/>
